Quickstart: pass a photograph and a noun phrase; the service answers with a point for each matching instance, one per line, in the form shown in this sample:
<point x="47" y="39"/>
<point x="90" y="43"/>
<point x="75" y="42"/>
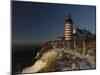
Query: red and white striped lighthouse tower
<point x="68" y="29"/>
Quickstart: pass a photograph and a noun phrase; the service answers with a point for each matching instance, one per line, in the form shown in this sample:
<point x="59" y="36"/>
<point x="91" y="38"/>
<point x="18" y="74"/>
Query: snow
<point x="61" y="60"/>
<point x="42" y="63"/>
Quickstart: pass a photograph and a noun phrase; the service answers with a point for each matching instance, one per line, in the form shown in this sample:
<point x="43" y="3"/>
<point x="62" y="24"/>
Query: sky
<point x="35" y="23"/>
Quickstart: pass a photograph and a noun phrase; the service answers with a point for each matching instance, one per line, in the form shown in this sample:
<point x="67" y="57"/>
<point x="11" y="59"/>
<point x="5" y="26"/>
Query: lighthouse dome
<point x="68" y="20"/>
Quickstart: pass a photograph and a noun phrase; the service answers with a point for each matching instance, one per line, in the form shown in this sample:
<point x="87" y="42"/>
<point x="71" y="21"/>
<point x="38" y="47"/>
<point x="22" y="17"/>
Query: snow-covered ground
<point x="46" y="59"/>
<point x="61" y="60"/>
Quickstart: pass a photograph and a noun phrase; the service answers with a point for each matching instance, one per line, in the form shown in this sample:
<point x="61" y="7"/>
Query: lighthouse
<point x="68" y="29"/>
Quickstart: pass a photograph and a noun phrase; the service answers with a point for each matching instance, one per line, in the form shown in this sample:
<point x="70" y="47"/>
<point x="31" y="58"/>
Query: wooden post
<point x="84" y="48"/>
<point x="56" y="44"/>
<point x="74" y="48"/>
<point x="60" y="44"/>
<point x="63" y="45"/>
